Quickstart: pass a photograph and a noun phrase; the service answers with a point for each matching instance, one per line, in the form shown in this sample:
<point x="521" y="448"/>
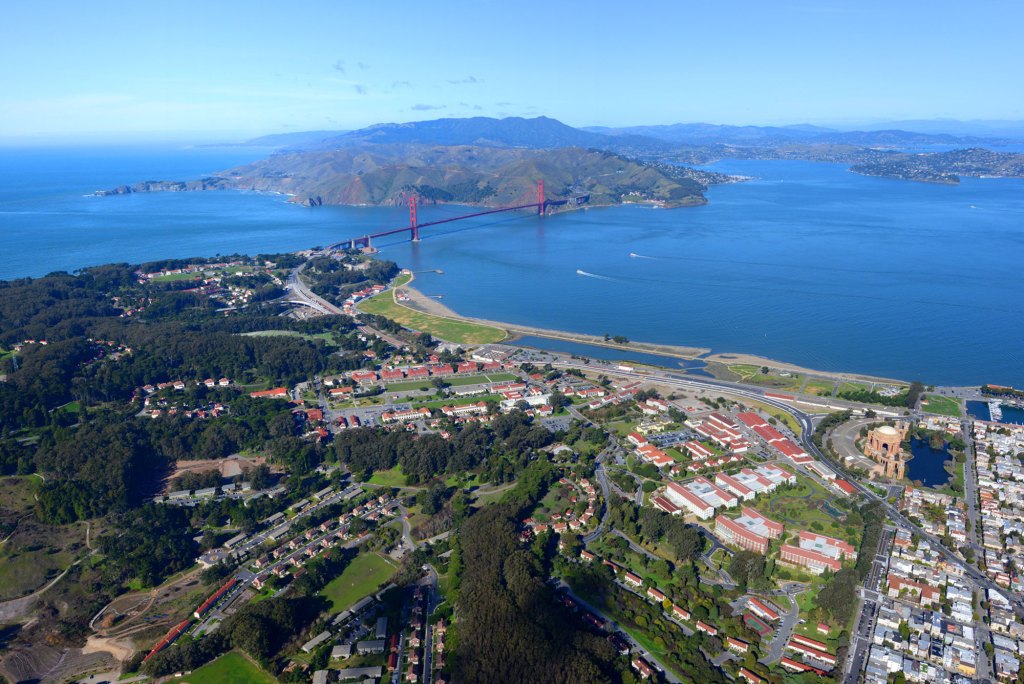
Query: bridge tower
<point x="541" y="201"/>
<point x="414" y="226"/>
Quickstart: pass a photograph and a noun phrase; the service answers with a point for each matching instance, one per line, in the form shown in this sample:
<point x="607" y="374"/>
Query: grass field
<point x="753" y="375"/>
<point x="451" y="401"/>
<point x="362" y="577"/>
<point x="946" y="406"/>
<point x="389" y="478"/>
<point x="171" y="277"/>
<point x="821" y="388"/>
<point x="230" y="668"/>
<point x="459" y="332"/>
<point x="803" y="505"/>
<point x="325" y="336"/>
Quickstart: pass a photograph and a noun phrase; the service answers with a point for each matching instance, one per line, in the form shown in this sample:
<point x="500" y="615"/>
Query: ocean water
<point x="808" y="263"/>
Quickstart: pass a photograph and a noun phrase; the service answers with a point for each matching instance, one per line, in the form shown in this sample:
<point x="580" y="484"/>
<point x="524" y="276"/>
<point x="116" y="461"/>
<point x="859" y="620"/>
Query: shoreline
<point x="421" y="303"/>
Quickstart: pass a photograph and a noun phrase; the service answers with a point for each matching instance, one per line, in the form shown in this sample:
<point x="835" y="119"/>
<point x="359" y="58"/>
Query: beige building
<point x="883" y="447"/>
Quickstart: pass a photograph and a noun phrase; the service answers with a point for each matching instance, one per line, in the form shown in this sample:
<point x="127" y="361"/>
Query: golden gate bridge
<point x="541" y="206"/>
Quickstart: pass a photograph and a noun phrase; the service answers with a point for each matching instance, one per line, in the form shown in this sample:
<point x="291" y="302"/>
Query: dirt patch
<point x="121" y="649"/>
<point x="232" y="466"/>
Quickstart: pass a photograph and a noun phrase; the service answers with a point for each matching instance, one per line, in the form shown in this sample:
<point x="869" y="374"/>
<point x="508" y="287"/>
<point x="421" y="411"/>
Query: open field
<point x="946" y="406"/>
<point x="361" y="578"/>
<point x="459" y="332"/>
<point x="388" y="478"/>
<point x="804" y="507"/>
<point x="230" y="668"/>
<point x="173" y="277"/>
<point x="325" y="336"/>
<point x="821" y="388"/>
<point x="438" y="403"/>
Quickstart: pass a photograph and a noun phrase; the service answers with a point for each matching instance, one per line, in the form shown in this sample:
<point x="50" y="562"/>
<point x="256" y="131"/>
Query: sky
<point x="226" y="70"/>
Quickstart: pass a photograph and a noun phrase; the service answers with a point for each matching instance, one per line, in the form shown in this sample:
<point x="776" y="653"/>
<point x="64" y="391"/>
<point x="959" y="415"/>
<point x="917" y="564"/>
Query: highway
<point x="304" y="295"/>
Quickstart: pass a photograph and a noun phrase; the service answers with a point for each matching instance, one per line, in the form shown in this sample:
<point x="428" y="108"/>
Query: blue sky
<point x="231" y="70"/>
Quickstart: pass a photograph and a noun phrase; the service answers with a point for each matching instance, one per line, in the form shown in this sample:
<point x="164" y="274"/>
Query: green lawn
<point x="412" y="385"/>
<point x="821" y="388"/>
<point x="171" y="277"/>
<point x="459" y="332"/>
<point x="389" y="478"/>
<point x="802" y="505"/>
<point x="230" y="668"/>
<point x="946" y="406"/>
<point x="451" y="401"/>
<point x="362" y="577"/>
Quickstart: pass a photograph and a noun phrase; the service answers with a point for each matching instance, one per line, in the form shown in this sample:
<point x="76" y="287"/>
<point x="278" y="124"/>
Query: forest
<point x="499" y="451"/>
<point x="511" y="629"/>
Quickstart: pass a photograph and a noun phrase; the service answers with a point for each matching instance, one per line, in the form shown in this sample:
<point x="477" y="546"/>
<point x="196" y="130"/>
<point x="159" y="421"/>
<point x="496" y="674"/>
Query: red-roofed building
<point x="901" y="587"/>
<point x="392" y="375"/>
<point x="751" y="419"/>
<point x="655" y="595"/>
<point x="417" y="372"/>
<point x="467" y="367"/>
<point x="664" y="504"/>
<point x="811" y="560"/>
<point x="276" y="393"/>
<point x="749" y="676"/>
<point x="733" y="533"/>
<point x="706" y="628"/>
<point x="636" y="439"/>
<point x="643" y="669"/>
<point x="736" y="645"/>
<point x="680" y="612"/>
<point x="844" y="487"/>
<point x="633" y="580"/>
<point x="762" y="609"/>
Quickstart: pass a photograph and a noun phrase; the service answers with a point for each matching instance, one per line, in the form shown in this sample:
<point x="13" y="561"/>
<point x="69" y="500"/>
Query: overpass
<point x="541" y="206"/>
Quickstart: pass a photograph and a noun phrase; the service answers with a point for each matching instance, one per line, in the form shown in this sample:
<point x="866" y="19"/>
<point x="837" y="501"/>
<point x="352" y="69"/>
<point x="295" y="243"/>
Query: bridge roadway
<point x="413" y="229"/>
<point x="807" y="429"/>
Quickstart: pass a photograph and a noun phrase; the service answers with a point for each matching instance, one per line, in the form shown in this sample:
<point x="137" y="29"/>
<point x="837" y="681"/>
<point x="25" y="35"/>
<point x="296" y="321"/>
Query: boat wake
<point x="634" y="255"/>
<point x="592" y="275"/>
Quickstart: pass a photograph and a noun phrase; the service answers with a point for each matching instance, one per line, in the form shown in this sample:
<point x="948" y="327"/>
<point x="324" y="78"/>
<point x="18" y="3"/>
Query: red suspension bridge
<point x="541" y="206"/>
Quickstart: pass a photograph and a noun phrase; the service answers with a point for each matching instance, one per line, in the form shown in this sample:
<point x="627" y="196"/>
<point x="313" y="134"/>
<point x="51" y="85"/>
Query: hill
<point x="537" y="133"/>
<point x="491" y="176"/>
<point x="771" y="136"/>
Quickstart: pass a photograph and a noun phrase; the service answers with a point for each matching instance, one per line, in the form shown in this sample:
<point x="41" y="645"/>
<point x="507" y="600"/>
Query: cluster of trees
<point x="150" y="543"/>
<point x="749" y="569"/>
<point x="260" y="629"/>
<point x="500" y="451"/>
<point x="837" y="596"/>
<point x="332" y="278"/>
<point x="113" y="460"/>
<point x="651" y="525"/>
<point x="511" y="629"/>
<point x="684" y="654"/>
<point x="104" y="465"/>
